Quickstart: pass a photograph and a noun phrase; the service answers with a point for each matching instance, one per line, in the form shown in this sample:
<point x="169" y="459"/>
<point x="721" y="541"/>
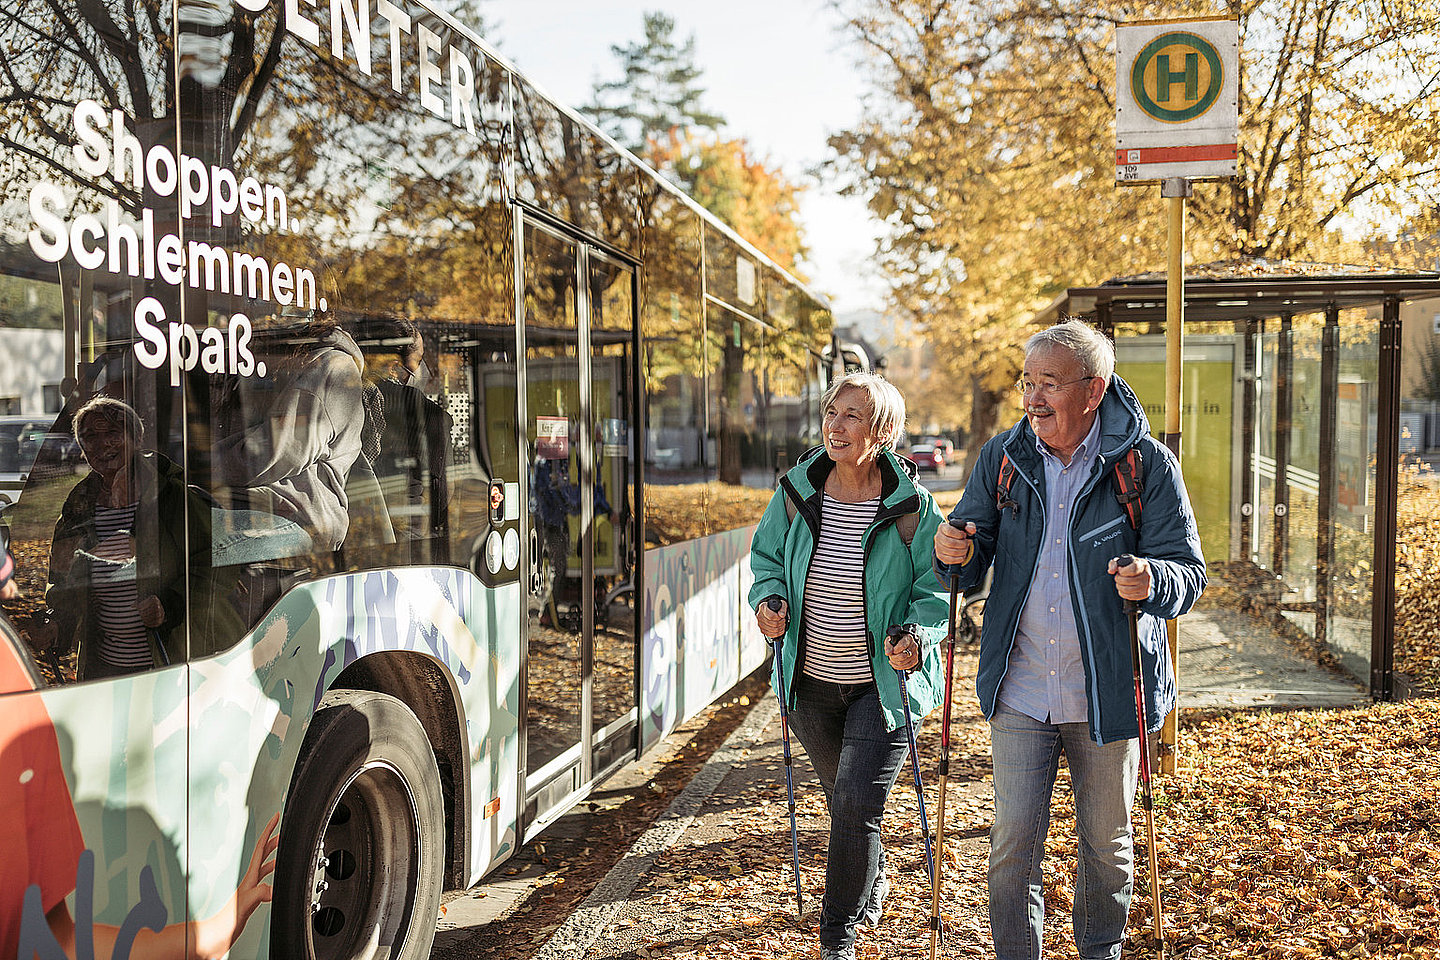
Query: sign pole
<point x="1177" y="120"/>
<point x="1174" y="190"/>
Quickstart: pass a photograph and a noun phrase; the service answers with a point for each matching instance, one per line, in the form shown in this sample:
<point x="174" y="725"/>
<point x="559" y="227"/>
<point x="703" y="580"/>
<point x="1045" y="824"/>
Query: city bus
<point x="388" y="447"/>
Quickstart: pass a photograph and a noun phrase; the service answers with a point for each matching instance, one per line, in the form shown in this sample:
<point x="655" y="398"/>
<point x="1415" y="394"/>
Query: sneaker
<point x="843" y="953"/>
<point x="875" y="906"/>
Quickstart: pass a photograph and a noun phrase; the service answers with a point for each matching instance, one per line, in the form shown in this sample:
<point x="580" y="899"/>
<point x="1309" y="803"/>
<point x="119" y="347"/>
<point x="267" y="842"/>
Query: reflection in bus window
<point x="286" y="439"/>
<point x="412" y="457"/>
<point x="116" y="591"/>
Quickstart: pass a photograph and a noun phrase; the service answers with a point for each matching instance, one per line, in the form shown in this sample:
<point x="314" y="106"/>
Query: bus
<point x="390" y="443"/>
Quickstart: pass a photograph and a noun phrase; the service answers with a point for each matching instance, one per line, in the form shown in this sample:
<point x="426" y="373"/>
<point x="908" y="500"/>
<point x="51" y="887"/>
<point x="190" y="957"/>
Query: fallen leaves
<point x="1417" y="577"/>
<point x="1287" y="835"/>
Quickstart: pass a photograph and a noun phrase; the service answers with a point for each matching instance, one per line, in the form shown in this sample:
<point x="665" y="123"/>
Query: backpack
<point x="1129" y="485"/>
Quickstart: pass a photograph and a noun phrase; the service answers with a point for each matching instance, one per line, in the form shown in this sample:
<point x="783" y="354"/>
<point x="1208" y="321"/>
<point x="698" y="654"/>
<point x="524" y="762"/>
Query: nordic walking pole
<point x="915" y="764"/>
<point x="1132" y="615"/>
<point x="944" y="760"/>
<point x="777" y="642"/>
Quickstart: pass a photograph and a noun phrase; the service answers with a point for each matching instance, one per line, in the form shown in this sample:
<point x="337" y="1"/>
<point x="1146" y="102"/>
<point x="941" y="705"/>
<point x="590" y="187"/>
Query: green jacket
<point x="899" y="585"/>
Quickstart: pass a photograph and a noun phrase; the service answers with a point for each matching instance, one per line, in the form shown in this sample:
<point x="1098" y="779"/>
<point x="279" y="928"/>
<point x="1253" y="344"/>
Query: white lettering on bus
<point x="180" y="346"/>
<point x="116" y="150"/>
<point x="135" y="252"/>
<point x="351" y="20"/>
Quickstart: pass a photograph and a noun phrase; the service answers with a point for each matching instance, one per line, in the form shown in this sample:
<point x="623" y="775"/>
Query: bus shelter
<point x="1293" y="387"/>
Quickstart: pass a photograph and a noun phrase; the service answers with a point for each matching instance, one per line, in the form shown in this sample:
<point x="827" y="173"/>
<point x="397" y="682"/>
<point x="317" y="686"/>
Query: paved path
<point x="712" y="877"/>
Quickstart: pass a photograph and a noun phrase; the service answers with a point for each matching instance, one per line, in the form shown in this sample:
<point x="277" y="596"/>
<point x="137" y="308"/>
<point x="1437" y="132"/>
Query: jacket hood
<point x="297" y="344"/>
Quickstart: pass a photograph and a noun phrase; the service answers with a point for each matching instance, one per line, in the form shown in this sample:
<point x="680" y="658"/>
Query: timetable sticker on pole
<point x="1177" y="99"/>
<point x="552" y="438"/>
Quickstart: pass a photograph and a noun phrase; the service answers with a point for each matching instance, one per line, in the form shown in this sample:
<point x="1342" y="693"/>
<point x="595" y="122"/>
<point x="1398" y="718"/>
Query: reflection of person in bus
<point x="8" y="590"/>
<point x="416" y="443"/>
<point x="285" y="442"/>
<point x="557" y="497"/>
<point x="41" y="839"/>
<point x="123" y="610"/>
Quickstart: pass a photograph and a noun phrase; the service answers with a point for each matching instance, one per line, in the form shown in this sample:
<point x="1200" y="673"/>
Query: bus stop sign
<point x="1177" y="99"/>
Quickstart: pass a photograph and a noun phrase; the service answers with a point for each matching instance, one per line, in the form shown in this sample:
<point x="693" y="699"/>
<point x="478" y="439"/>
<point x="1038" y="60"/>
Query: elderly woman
<point x="126" y="535"/>
<point x="849" y="558"/>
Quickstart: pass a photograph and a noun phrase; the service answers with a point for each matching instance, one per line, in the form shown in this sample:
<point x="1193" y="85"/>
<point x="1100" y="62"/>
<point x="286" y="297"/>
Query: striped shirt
<point x="112" y="579"/>
<point x="836" y="646"/>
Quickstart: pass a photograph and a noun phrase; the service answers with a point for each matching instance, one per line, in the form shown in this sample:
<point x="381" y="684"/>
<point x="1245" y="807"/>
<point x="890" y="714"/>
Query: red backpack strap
<point x="1130" y="484"/>
<point x="1003" y="484"/>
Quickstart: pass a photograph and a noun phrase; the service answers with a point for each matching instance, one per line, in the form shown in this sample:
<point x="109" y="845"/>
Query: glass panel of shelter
<point x="1351" y="591"/>
<point x="1286" y="532"/>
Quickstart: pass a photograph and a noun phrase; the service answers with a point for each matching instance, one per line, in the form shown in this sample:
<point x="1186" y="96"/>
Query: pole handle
<point x="774" y="603"/>
<point x="1131" y="606"/>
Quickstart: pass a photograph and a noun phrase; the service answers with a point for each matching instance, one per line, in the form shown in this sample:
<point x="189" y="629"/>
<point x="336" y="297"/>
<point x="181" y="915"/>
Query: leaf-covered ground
<point x="1304" y="833"/>
<point x="1417" y="578"/>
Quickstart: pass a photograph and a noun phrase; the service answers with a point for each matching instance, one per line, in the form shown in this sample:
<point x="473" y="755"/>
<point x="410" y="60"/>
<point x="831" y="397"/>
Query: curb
<point x="580" y="931"/>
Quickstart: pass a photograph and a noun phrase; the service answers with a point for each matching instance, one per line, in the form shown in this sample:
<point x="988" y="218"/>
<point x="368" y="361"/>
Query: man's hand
<point x="1132" y="581"/>
<point x="953" y="544"/>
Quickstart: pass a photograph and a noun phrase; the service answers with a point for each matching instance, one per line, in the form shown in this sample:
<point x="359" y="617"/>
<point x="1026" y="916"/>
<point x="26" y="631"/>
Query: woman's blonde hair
<point x="887" y="405"/>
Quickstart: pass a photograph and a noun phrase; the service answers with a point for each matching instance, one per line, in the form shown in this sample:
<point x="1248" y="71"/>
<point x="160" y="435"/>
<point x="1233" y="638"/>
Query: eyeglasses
<point x="1026" y="387"/>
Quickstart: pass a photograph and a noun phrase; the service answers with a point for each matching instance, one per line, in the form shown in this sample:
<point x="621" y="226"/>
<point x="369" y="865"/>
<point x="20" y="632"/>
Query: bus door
<point x="579" y="675"/>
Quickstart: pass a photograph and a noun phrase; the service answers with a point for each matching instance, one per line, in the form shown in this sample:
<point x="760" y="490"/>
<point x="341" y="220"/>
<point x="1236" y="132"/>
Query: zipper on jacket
<point x="1083" y="622"/>
<point x="1035" y="565"/>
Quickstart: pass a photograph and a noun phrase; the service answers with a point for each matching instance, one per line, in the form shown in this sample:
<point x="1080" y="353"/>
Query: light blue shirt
<point x="1045" y="679"/>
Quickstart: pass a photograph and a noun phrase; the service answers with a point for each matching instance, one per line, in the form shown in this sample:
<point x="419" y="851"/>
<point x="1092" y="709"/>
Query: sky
<point x="778" y="71"/>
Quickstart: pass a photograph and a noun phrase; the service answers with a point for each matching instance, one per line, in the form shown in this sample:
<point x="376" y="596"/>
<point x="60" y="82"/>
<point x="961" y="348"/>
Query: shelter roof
<point x="1248" y="288"/>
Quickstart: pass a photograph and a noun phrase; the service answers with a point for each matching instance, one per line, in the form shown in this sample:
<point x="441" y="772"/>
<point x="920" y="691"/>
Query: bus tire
<point x="361" y="858"/>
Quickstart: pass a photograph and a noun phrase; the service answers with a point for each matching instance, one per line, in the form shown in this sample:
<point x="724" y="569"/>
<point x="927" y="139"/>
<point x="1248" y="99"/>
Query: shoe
<point x="875" y="906"/>
<point x="844" y="953"/>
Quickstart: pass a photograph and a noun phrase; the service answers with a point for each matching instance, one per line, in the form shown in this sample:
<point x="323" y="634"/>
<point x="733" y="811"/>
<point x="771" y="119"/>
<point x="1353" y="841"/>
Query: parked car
<point x="927" y="457"/>
<point x="21" y="440"/>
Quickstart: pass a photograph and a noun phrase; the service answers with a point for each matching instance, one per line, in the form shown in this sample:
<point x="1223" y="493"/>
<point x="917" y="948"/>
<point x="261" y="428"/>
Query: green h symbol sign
<point x="1165" y="78"/>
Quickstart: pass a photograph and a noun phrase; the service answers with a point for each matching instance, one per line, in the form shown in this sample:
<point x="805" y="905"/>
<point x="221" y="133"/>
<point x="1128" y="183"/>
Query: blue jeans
<point x="857" y="760"/>
<point x="1026" y="756"/>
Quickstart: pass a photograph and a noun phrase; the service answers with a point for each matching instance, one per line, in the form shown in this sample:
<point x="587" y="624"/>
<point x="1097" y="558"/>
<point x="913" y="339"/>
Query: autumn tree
<point x="988" y="148"/>
<point x="658" y="90"/>
<point x="726" y="178"/>
<point x="654" y="108"/>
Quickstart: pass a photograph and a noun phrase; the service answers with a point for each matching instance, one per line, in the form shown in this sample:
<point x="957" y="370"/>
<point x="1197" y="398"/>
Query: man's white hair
<point x="1089" y="346"/>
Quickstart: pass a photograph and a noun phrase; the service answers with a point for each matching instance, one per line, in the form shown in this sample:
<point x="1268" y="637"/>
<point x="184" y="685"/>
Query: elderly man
<point x="1055" y="674"/>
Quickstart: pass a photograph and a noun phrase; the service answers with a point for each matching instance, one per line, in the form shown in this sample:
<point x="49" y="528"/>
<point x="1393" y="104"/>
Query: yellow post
<point x="1174" y="190"/>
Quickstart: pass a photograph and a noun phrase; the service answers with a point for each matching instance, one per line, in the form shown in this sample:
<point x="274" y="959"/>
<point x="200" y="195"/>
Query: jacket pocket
<point x="1101" y="529"/>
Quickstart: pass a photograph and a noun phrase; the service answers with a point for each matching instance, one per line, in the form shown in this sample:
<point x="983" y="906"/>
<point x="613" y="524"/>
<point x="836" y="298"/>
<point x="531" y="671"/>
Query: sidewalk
<point x="714" y="876"/>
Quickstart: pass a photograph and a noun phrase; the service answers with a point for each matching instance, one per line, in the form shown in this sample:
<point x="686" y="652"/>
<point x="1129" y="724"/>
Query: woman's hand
<point x="903" y="649"/>
<point x="215" y="935"/>
<point x="772" y="622"/>
<point x="152" y="613"/>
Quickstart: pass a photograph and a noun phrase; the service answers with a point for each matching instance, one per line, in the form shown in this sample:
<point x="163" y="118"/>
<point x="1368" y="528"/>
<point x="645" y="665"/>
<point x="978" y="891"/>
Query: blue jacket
<point x="899" y="587"/>
<point x="1099" y="530"/>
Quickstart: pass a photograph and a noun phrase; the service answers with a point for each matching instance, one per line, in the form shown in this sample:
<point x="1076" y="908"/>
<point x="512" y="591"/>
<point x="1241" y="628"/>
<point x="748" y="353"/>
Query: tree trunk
<point x="984" y="411"/>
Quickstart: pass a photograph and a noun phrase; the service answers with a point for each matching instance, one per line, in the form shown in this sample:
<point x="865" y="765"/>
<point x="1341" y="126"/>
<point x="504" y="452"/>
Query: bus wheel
<point x="362" y="841"/>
